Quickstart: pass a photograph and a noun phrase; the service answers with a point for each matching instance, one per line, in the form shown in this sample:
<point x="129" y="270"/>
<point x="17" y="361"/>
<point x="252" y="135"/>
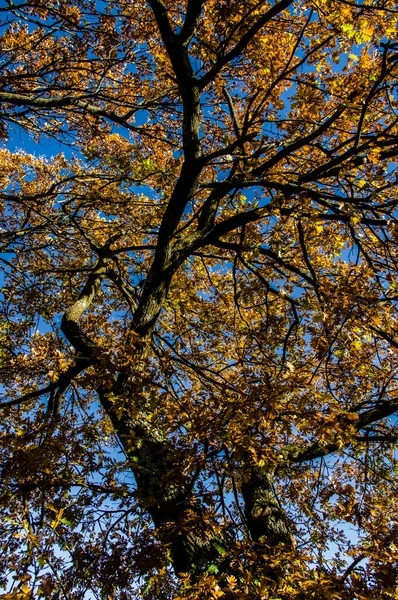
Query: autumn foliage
<point x="198" y="317"/>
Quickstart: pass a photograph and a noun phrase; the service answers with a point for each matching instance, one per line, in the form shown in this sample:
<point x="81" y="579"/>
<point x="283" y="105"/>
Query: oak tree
<point x="198" y="323"/>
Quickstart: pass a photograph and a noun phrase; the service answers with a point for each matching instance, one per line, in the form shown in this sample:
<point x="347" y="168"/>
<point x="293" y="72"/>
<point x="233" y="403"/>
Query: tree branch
<point x="316" y="450"/>
<point x="69" y="324"/>
<point x="243" y="42"/>
<point x="192" y="15"/>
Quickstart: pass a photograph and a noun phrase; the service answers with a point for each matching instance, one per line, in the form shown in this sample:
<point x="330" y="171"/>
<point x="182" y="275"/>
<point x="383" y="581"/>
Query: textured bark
<point x="166" y="492"/>
<point x="265" y="517"/>
<point x="266" y="522"/>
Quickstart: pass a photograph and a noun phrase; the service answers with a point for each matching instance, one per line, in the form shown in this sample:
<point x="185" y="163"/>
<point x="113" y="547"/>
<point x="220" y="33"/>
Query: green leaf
<point x="220" y="549"/>
<point x="213" y="570"/>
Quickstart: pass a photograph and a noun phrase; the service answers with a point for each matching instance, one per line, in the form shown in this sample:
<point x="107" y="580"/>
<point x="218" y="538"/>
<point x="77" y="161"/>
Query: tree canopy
<point x="198" y="319"/>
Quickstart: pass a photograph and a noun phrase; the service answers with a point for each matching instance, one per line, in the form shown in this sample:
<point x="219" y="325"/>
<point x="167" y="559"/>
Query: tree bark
<point x="166" y="492"/>
<point x="265" y="519"/>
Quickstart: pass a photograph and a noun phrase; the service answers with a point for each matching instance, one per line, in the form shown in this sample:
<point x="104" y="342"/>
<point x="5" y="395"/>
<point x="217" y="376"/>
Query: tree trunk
<point x="166" y="492"/>
<point x="265" y="517"/>
<point x="266" y="520"/>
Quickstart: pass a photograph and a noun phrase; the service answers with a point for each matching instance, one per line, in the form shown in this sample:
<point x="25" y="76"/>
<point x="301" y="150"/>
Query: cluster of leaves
<point x="198" y="314"/>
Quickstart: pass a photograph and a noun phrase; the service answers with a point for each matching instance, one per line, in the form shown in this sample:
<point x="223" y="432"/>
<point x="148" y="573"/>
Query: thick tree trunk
<point x="266" y="520"/>
<point x="265" y="517"/>
<point x="166" y="492"/>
